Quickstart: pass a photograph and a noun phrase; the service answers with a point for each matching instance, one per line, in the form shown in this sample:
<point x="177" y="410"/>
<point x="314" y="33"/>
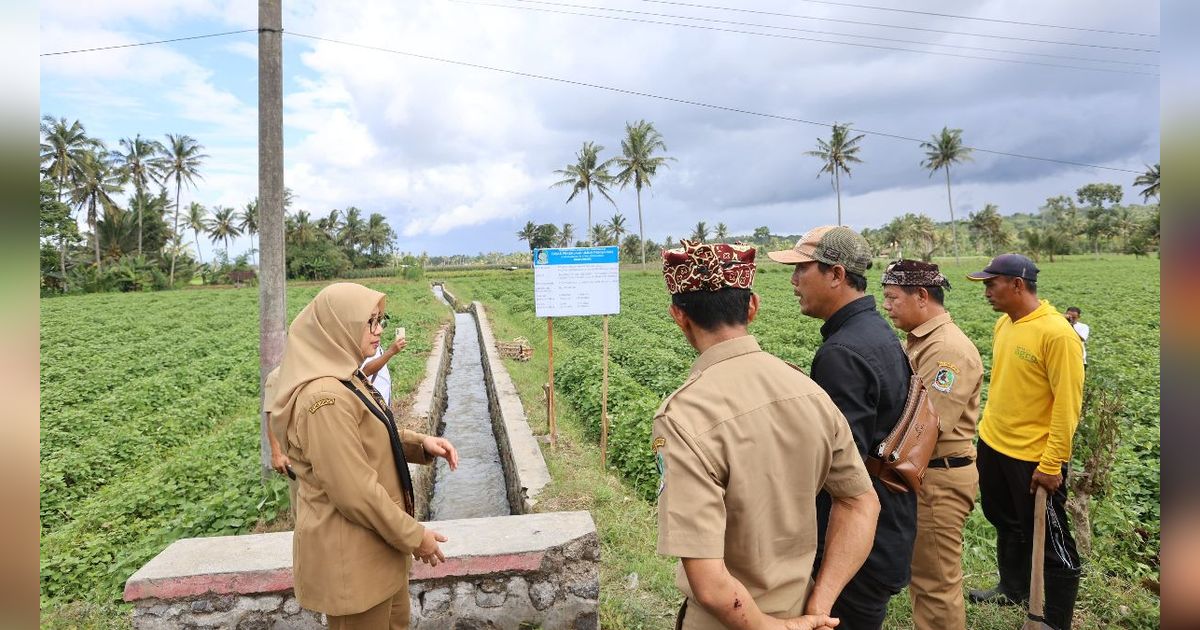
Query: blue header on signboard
<point x="575" y="256"/>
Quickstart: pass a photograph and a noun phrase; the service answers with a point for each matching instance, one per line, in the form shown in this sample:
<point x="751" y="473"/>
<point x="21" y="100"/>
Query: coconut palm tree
<point x="1149" y="179"/>
<point x="946" y="148"/>
<point x="924" y="232"/>
<point x="722" y="232"/>
<point x="155" y="207"/>
<point x="528" y="234"/>
<point x="1124" y="224"/>
<point x="586" y="174"/>
<point x="222" y="226"/>
<point x="616" y="227"/>
<point x="180" y="160"/>
<point x="98" y="181"/>
<point x="547" y="236"/>
<point x="638" y="165"/>
<point x="700" y="232"/>
<point x="331" y="224"/>
<point x="248" y="223"/>
<point x="566" y="234"/>
<point x="300" y="229"/>
<point x="351" y="234"/>
<point x="600" y="235"/>
<point x="197" y="220"/>
<point x="988" y="226"/>
<point x="117" y="229"/>
<point x="378" y="235"/>
<point x="837" y="155"/>
<point x="137" y="164"/>
<point x="62" y="149"/>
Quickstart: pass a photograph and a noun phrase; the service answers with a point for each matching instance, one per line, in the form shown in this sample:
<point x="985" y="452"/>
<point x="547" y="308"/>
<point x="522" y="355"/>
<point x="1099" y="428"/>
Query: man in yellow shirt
<point x="1033" y="406"/>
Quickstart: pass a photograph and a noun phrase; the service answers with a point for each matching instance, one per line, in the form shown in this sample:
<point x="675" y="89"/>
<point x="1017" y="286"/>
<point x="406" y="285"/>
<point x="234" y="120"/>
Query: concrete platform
<point x="530" y="568"/>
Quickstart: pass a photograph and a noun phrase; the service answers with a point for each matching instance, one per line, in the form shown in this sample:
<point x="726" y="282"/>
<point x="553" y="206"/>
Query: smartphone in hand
<point x="400" y="332"/>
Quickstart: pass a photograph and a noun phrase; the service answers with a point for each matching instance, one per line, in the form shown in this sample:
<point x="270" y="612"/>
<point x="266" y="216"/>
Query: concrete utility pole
<point x="272" y="277"/>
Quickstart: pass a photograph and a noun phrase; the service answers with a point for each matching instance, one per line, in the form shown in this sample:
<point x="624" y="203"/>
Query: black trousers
<point x="1008" y="506"/>
<point x="862" y="605"/>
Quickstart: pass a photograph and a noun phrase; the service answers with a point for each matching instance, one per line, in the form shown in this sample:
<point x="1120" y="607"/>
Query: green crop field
<point x="649" y="358"/>
<point x="149" y="428"/>
<point x="149" y="425"/>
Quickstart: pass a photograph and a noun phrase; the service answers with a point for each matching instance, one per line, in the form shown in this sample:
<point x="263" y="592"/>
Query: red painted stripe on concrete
<point x="244" y="583"/>
<point x="279" y="580"/>
<point x="479" y="565"/>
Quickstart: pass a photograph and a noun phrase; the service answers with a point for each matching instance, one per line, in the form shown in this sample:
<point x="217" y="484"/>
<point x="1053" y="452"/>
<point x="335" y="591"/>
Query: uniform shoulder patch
<point x="659" y="462"/>
<point x="317" y="404"/>
<point x="948" y="365"/>
<point x="943" y="381"/>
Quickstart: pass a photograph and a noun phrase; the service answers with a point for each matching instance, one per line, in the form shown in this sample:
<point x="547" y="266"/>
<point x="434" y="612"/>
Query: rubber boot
<point x="1062" y="585"/>
<point x="1013" y="562"/>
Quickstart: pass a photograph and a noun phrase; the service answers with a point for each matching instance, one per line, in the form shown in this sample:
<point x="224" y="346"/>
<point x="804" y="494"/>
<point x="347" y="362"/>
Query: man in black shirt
<point x="863" y="368"/>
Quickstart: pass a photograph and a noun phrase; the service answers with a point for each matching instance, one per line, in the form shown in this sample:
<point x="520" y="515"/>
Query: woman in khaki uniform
<point x="355" y="533"/>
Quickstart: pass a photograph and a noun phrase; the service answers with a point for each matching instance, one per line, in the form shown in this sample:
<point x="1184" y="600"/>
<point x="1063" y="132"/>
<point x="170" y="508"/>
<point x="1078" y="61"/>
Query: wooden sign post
<point x="604" y="403"/>
<point x="551" y="426"/>
<point x="570" y="282"/>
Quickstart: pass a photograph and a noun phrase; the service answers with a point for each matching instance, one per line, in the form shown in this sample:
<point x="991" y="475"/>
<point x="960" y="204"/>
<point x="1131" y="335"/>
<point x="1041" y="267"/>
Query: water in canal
<point x="477" y="488"/>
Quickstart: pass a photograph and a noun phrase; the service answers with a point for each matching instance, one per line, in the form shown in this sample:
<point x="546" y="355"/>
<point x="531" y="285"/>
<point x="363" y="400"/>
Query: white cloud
<point x="455" y="155"/>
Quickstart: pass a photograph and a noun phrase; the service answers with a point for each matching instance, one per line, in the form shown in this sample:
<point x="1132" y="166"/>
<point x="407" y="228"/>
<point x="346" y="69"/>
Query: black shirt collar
<point x="839" y="319"/>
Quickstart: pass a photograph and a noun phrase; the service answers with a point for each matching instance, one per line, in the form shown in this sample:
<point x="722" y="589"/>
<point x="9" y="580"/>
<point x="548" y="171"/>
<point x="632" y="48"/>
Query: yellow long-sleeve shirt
<point x="1036" y="389"/>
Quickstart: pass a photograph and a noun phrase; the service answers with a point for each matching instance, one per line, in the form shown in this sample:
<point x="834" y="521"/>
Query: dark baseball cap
<point x="1014" y="265"/>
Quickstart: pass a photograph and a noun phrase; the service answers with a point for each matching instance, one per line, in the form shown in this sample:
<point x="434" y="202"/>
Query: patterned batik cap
<point x="914" y="273"/>
<point x="832" y="245"/>
<point x="708" y="267"/>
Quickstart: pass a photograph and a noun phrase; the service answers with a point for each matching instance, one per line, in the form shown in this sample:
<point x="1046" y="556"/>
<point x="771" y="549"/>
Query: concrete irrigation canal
<point x="477" y="489"/>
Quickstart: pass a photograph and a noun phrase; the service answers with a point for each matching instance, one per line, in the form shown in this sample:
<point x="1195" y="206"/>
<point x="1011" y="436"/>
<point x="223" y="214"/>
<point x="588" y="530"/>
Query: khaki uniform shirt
<point x="353" y="541"/>
<point x="952" y="371"/>
<point x="743" y="446"/>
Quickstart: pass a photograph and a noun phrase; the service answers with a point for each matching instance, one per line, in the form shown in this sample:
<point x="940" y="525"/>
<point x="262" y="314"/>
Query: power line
<point x="806" y="30"/>
<point x="909" y="28"/>
<point x="809" y="39"/>
<point x="964" y="17"/>
<point x="683" y="101"/>
<point x="161" y="41"/>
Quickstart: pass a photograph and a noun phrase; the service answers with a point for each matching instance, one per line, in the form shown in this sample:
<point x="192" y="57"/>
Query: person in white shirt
<point x="375" y="368"/>
<point x="1081" y="328"/>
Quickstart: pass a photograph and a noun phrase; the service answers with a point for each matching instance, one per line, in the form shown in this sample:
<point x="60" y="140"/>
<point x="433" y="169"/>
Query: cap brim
<point x="980" y="276"/>
<point x="789" y="257"/>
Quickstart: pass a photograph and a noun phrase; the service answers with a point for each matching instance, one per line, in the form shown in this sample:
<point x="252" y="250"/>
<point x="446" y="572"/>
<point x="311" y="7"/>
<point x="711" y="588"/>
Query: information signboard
<point x="576" y="281"/>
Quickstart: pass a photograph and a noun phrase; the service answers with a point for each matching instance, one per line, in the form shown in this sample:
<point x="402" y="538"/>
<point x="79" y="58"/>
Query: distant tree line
<point x="150" y="241"/>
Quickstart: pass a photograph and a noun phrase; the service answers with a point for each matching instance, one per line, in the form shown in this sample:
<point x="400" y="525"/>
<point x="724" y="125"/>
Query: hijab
<point x="324" y="340"/>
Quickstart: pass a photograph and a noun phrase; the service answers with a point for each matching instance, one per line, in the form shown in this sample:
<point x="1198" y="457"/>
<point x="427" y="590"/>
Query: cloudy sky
<point x="458" y="157"/>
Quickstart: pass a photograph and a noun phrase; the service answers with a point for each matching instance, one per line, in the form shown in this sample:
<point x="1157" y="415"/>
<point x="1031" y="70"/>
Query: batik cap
<point x="914" y="273"/>
<point x="708" y="267"/>
<point x="1014" y="265"/>
<point x="832" y="245"/>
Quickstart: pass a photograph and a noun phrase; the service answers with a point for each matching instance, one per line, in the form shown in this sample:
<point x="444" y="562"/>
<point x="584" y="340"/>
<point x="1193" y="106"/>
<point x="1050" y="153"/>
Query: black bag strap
<point x="385" y="416"/>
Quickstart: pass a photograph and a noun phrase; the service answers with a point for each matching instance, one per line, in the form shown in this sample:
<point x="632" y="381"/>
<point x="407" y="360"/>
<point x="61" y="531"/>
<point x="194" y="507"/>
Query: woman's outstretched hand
<point x="441" y="447"/>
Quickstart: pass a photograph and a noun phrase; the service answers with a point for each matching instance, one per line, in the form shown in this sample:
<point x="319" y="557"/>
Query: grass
<point x="87" y="616"/>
